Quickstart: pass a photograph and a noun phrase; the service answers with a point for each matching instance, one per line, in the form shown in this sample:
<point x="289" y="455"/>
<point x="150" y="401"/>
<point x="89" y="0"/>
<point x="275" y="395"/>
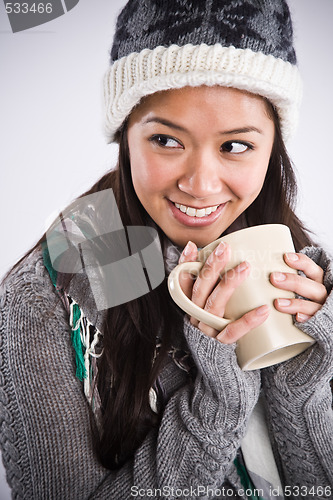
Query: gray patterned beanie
<point x="169" y="44"/>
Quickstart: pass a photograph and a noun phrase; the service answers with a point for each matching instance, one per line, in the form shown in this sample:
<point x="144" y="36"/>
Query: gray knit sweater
<point x="44" y="416"/>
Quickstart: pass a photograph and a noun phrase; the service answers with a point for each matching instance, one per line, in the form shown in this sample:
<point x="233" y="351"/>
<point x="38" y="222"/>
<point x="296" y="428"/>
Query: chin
<point x="201" y="240"/>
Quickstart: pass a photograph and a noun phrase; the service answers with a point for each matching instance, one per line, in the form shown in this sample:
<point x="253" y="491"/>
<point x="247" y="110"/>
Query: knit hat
<point x="169" y="44"/>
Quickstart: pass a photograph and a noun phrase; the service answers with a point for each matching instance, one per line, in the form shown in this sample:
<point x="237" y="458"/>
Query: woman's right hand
<point x="211" y="292"/>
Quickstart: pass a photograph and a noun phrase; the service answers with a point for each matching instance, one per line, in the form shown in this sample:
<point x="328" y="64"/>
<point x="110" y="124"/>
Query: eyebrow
<point x="167" y="123"/>
<point x="243" y="130"/>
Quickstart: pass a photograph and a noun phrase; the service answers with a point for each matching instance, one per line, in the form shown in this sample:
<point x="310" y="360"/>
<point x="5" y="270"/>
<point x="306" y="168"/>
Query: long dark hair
<point x="130" y="364"/>
<point x="277" y="199"/>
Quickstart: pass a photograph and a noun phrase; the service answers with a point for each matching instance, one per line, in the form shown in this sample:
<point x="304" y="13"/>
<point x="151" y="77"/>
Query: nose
<point x="201" y="176"/>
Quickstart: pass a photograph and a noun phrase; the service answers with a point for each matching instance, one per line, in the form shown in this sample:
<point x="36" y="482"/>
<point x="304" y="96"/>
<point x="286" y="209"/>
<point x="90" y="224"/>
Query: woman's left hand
<point x="309" y="286"/>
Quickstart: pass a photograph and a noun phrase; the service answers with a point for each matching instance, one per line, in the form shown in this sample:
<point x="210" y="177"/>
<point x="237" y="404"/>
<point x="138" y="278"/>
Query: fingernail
<point x="284" y="302"/>
<point x="220" y="248"/>
<point x="279" y="276"/>
<point x="188" y="249"/>
<point x="262" y="310"/>
<point x="222" y="334"/>
<point x="302" y="317"/>
<point x="292" y="256"/>
<point x="243" y="266"/>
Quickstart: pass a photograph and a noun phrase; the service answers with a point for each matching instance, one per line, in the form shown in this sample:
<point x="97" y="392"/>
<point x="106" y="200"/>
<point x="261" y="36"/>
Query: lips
<point x="195" y="217"/>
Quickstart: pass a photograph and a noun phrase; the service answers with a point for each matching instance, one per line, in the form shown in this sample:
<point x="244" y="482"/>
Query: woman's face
<point x="199" y="157"/>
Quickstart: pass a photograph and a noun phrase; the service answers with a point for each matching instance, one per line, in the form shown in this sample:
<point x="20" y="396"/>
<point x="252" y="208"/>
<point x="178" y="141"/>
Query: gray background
<point x="52" y="143"/>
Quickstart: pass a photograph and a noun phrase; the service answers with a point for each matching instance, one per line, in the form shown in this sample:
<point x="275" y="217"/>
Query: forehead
<point x="216" y="103"/>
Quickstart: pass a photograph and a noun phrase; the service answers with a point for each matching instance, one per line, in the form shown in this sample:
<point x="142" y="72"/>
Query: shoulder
<point x="28" y="283"/>
<point x="42" y="404"/>
<point x="29" y="301"/>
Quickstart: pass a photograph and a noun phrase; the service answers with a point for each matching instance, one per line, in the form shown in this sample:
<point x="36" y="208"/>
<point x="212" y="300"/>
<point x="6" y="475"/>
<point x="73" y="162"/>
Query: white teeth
<point x="191" y="212"/>
<point x="196" y="212"/>
<point x="201" y="212"/>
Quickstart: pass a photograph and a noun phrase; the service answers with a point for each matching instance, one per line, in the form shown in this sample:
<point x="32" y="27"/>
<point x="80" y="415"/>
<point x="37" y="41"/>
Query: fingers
<point x="210" y="274"/>
<point x="211" y="290"/>
<point x="213" y="297"/>
<point x="301" y="285"/>
<point x="207" y="330"/>
<point x="189" y="254"/>
<point x="303" y="263"/>
<point x="237" y="329"/>
<point x="302" y="309"/>
<point x="309" y="286"/>
<point x="217" y="300"/>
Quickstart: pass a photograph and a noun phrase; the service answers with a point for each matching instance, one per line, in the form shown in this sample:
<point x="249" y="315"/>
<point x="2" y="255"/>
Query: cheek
<point x="140" y="172"/>
<point x="148" y="176"/>
<point x="248" y="183"/>
<point x="253" y="184"/>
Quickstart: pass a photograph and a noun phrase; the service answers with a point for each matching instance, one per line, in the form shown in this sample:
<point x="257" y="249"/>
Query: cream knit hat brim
<point x="140" y="74"/>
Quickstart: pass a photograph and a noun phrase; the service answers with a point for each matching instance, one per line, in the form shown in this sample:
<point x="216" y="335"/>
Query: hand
<point x="309" y="286"/>
<point x="211" y="292"/>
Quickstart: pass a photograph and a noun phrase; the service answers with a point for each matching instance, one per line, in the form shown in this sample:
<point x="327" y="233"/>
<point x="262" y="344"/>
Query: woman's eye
<point x="165" y="141"/>
<point x="235" y="147"/>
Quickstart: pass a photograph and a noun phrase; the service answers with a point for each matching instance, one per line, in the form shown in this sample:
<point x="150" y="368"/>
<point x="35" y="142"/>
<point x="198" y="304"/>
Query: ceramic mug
<point x="277" y="339"/>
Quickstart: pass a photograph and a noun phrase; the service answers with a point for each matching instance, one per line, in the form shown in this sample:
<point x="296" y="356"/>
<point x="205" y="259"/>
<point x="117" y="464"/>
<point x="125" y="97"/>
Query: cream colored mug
<point x="277" y="339"/>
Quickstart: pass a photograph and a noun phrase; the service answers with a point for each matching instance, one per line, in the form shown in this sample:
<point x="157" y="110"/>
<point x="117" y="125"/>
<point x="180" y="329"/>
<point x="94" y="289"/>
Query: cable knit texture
<point x="169" y="44"/>
<point x="150" y="71"/>
<point x="45" y="431"/>
<point x="300" y="389"/>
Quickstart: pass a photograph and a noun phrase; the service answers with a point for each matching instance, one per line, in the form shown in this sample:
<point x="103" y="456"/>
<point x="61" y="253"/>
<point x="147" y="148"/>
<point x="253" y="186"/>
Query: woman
<point x="200" y="97"/>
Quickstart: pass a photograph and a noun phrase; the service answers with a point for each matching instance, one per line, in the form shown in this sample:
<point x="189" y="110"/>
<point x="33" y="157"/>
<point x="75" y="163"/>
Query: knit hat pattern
<point x="167" y="44"/>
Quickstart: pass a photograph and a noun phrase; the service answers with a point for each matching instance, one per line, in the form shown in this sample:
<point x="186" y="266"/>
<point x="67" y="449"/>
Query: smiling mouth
<point x="196" y="212"/>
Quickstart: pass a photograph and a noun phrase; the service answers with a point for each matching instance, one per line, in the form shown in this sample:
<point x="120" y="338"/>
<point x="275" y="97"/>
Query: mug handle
<point x="185" y="303"/>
